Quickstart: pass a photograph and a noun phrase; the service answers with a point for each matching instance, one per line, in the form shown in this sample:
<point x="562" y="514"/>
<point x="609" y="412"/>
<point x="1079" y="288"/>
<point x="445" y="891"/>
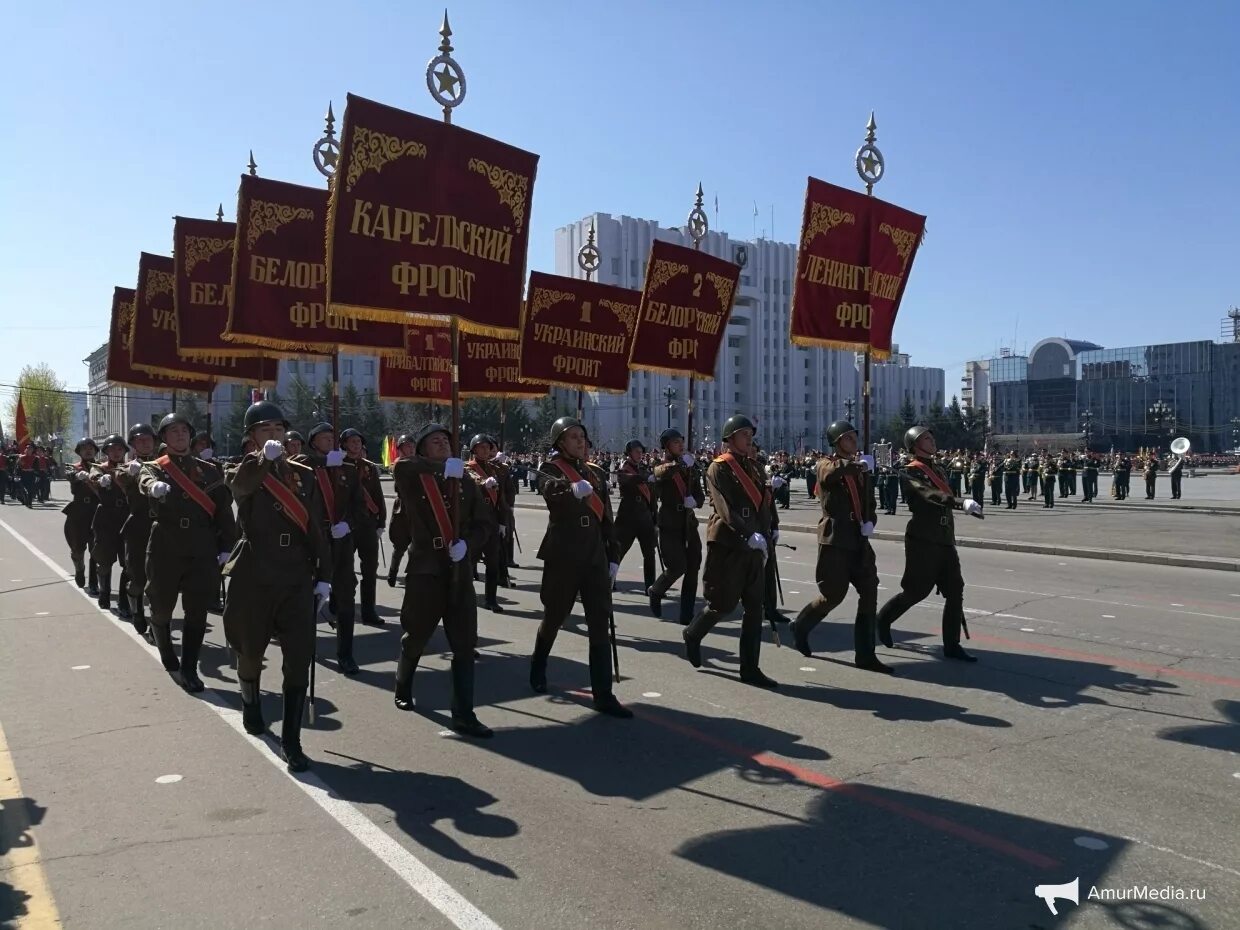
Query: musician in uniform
<point x="956" y="474"/>
<point x="1176" y="472"/>
<point x="1048" y="472"/>
<point x="1150" y="473"/>
<point x="635" y="518"/>
<point x="979" y="470"/>
<point x="678" y="485"/>
<point x="367" y="521"/>
<point x="846" y="494"/>
<point x="1122" y="475"/>
<point x="491" y="478"/>
<point x="108" y="519"/>
<point x="739" y="537"/>
<point x="930" y="553"/>
<point x="580" y="555"/>
<point x="398" y="529"/>
<point x="137" y="529"/>
<point x="79" y="513"/>
<point x="191" y="536"/>
<point x="1089" y="477"/>
<point x="276" y="572"/>
<point x="1011" y="479"/>
<point x="438" y="582"/>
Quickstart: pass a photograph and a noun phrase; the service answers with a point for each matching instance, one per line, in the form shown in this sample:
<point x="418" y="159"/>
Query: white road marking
<point x="1108" y="616"/>
<point x="42" y="613"/>
<point x="1027" y="629"/>
<point x="808" y="668"/>
<point x="411" y="870"/>
<point x="1091" y="842"/>
<point x="1177" y="605"/>
<point x="80" y="668"/>
<point x="168" y="779"/>
<point x="651" y="694"/>
<point x="1187" y="858"/>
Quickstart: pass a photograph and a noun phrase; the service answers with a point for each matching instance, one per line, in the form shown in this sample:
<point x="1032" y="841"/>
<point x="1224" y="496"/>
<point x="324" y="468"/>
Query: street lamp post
<point x="1160" y="412"/>
<point x="669" y="395"/>
<point x="1087" y="427"/>
<point x="849" y="406"/>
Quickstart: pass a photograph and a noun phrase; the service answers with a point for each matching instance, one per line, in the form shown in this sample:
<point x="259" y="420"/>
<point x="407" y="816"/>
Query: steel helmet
<point x="667" y="436"/>
<point x="736" y="423"/>
<point x="294" y="436"/>
<point x="172" y="418"/>
<point x="263" y="412"/>
<point x="481" y="438"/>
<point x="349" y="433"/>
<point x="113" y="440"/>
<point x="563" y="425"/>
<point x="428" y="430"/>
<point x="633" y="444"/>
<point x="912" y="434"/>
<point x="837" y="429"/>
<point x="320" y="428"/>
<point x="140" y="429"/>
<point x="85" y="441"/>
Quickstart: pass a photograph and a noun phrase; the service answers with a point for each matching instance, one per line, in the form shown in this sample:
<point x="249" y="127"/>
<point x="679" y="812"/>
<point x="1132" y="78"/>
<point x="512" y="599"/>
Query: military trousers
<point x="641" y="530"/>
<point x="1150" y="482"/>
<point x="562" y="581"/>
<point x="430" y="599"/>
<point x="256" y="610"/>
<point x="838" y="568"/>
<point x="927" y="566"/>
<point x="733" y="576"/>
<point x="1011" y="489"/>
<point x="171" y="573"/>
<point x="1048" y="491"/>
<point x="682" y="556"/>
<point x="1176" y="479"/>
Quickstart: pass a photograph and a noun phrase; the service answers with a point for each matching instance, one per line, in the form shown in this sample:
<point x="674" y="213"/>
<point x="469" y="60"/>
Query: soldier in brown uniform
<point x="493" y="486"/>
<point x="137" y="529"/>
<point x="845" y="556"/>
<point x="191" y="536"/>
<point x="929" y="545"/>
<point x="439" y="583"/>
<point x="279" y="567"/>
<point x="367" y="520"/>
<point x="337" y="481"/>
<point x="109" y="517"/>
<point x="678" y="484"/>
<point x="203" y="447"/>
<point x="739" y="537"/>
<point x="294" y="444"/>
<point x="635" y="517"/>
<point x="579" y="555"/>
<point x="398" y="529"/>
<point x="79" y="513"/>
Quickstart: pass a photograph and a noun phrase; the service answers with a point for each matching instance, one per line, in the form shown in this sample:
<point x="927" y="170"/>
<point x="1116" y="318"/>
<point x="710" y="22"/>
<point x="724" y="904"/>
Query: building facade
<point x="113" y="408"/>
<point x="791" y="392"/>
<point x="895" y="380"/>
<point x="975" y="385"/>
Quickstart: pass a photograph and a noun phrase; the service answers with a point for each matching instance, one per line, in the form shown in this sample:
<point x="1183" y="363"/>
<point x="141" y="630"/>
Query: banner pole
<point x="871" y="168"/>
<point x="326" y="154"/>
<point x="588" y="259"/>
<point x="698" y="226"/>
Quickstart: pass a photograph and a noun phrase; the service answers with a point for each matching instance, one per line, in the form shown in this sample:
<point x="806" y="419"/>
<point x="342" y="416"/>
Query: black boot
<point x="464" y="720"/>
<point x="600" y="683"/>
<point x="105" y="589"/>
<point x="488" y="599"/>
<point x="394" y="568"/>
<point x="251" y="708"/>
<point x="695" y="632"/>
<point x="688" y="598"/>
<point x="92" y="585"/>
<point x="137" y="614"/>
<point x="956" y="651"/>
<point x="801" y="628"/>
<point x="290" y="732"/>
<point x="538" y="665"/>
<point x="79" y="572"/>
<point x="344" y="643"/>
<point x="751" y="644"/>
<point x="884" y="630"/>
<point x="404" y="683"/>
<point x="163" y="641"/>
<point x="693" y="648"/>
<point x="191" y="645"/>
<point x="648" y="571"/>
<point x="370" y="616"/>
<point x="122" y="597"/>
<point x="656" y="602"/>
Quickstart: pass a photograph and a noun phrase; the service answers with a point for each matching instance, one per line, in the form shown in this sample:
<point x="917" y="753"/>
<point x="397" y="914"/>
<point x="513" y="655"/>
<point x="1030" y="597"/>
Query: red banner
<point x="577" y="333"/>
<point x="491" y="367"/>
<point x="120" y="371"/>
<point x="685" y="307"/>
<point x="852" y="267"/>
<point x="427" y="220"/>
<point x="279" y="277"/>
<point x="424" y="371"/>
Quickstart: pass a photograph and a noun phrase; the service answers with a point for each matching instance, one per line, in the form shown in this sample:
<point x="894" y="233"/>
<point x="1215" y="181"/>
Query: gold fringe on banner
<point x="242" y="351"/>
<point x="495" y="332"/>
<point x="282" y="348"/>
<point x="827" y="343"/>
<point x="169" y="389"/>
<point x="881" y="354"/>
<point x="674" y="372"/>
<point x="504" y="395"/>
<point x="578" y="387"/>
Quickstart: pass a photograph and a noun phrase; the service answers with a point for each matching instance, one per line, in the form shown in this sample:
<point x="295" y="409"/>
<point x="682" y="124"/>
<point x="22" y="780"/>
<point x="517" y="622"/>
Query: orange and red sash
<point x="595" y="502"/>
<point x="431" y="487"/>
<point x="492" y="493"/>
<point x="932" y="474"/>
<point x="362" y="474"/>
<point x="756" y="497"/>
<point x="182" y="481"/>
<point x="328" y="491"/>
<point x="292" y="507"/>
<point x="641" y="487"/>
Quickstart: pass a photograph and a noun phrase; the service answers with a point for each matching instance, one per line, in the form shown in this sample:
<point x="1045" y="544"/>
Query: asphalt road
<point x="1097" y="739"/>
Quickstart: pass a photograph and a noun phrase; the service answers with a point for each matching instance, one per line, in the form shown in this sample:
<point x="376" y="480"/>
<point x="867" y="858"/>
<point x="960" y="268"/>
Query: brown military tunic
<point x="109" y="516"/>
<point x="679" y="542"/>
<point x="367" y="519"/>
<point x="341" y="493"/>
<point x="496" y="501"/>
<point x="79" y="513"/>
<point x="635" y="517"/>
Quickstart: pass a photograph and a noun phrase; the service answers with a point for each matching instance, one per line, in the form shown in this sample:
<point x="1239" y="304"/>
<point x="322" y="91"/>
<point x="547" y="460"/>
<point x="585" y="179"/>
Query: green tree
<point x="187" y="405"/>
<point x="908" y="413"/>
<point x="373" y="423"/>
<point x="482" y="415"/>
<point x="45" y="401"/>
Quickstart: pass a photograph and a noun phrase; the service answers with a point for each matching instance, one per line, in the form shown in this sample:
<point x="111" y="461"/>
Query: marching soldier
<point x="338" y="485"/>
<point x="367" y="521"/>
<point x="294" y="444"/>
<point x="1070" y="478"/>
<point x="1089" y="478"/>
<point x="1031" y="475"/>
<point x="930" y="553"/>
<point x="635" y="517"/>
<point x="136" y="532"/>
<point x="678" y="484"/>
<point x="191" y="536"/>
<point x="109" y="518"/>
<point x="1150" y="473"/>
<point x="579" y="555"/>
<point x="956" y="474"/>
<point x="846" y="493"/>
<point x="277" y="571"/>
<point x="739" y="537"/>
<point x="979" y="470"/>
<point x="79" y="513"/>
<point x="1048" y="472"/>
<point x="438" y="582"/>
<point x="492" y="480"/>
<point x="398" y="529"/>
<point x="203" y="447"/>
<point x="1011" y="479"/>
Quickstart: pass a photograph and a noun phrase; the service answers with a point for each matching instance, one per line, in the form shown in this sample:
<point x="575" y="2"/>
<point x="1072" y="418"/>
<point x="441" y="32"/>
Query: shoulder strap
<point x="182" y="480"/>
<point x="290" y="505"/>
<point x="595" y="502"/>
<point x="746" y="482"/>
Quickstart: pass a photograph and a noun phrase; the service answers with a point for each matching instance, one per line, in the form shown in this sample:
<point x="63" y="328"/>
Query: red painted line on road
<point x="857" y="792"/>
<point x="1098" y="659"/>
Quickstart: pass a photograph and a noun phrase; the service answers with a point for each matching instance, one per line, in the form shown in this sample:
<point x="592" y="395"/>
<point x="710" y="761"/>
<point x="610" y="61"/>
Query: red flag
<point x="23" y="434"/>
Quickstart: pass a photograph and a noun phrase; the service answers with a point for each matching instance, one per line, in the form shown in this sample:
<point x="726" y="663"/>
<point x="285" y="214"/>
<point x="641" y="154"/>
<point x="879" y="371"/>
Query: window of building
<point x="766" y="285"/>
<point x="746" y="281"/>
<point x="736" y="398"/>
<point x="346" y="367"/>
<point x="292" y="366"/>
<point x="369" y="366"/>
<point x="633" y="267"/>
<point x="615" y="267"/>
<point x="734" y="342"/>
<point x="807" y="398"/>
<point x="736" y="379"/>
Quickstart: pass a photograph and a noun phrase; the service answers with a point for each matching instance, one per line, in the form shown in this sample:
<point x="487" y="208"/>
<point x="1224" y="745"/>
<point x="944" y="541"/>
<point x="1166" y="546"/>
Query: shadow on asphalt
<point x="17" y="816"/>
<point x="1223" y="735"/>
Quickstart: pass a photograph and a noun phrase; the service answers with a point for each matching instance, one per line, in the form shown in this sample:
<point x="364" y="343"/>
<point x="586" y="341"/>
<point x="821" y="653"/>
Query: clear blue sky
<point x="1079" y="162"/>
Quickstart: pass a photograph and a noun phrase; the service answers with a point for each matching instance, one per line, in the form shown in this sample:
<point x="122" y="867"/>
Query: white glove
<point x="757" y="542"/>
<point x="322" y="589"/>
<point x="160" y="489"/>
<point x="453" y="468"/>
<point x="774" y="536"/>
<point x="223" y="557"/>
<point x="208" y="453"/>
<point x="82" y="475"/>
<point x="340" y="530"/>
<point x="688" y="460"/>
<point x="503" y="531"/>
<point x="272" y="450"/>
<point x="582" y="488"/>
<point x="650" y="479"/>
<point x="867" y="528"/>
<point x="690" y="503"/>
<point x="335" y="458"/>
<point x="134" y="467"/>
<point x="490" y="484"/>
<point x="777" y="482"/>
<point x="105" y="481"/>
<point x="614" y="569"/>
<point x="500" y="458"/>
<point x="866" y="462"/>
<point x="971" y="506"/>
<point x="456" y="551"/>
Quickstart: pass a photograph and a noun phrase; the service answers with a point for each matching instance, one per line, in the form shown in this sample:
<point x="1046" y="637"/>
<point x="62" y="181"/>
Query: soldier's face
<point x="176" y="437"/>
<point x="573" y="443"/>
<point x="742" y="441"/>
<point x="847" y="444"/>
<point x="484" y="452"/>
<point x="353" y="446"/>
<point x="265" y="431"/>
<point x="636" y="453"/>
<point x="322" y="443"/>
<point x="247" y="446"/>
<point x="676" y="447"/>
<point x="926" y="444"/>
<point x="293" y="447"/>
<point x="143" y="445"/>
<point x="406" y="450"/>
<point x="88" y="453"/>
<point x="116" y="454"/>
<point x="436" y="447"/>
